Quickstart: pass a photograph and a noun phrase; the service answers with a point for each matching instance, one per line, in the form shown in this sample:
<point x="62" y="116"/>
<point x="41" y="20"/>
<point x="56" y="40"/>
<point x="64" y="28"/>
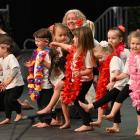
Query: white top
<point x="117" y="64"/>
<point x="124" y="55"/>
<point x="88" y="63"/>
<point x="45" y="82"/>
<point x="8" y="63"/>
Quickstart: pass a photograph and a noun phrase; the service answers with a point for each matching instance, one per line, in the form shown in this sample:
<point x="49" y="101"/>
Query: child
<point x="115" y="67"/>
<point x="60" y="34"/>
<point x="132" y="69"/>
<point x="116" y="39"/>
<point x="12" y="82"/>
<point x="40" y="88"/>
<point x="79" y="64"/>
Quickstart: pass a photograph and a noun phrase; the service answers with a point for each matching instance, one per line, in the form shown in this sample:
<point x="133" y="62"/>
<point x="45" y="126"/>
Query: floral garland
<point x="134" y="72"/>
<point x="104" y="78"/>
<point x="72" y="85"/>
<point x="119" y="48"/>
<point x="35" y="81"/>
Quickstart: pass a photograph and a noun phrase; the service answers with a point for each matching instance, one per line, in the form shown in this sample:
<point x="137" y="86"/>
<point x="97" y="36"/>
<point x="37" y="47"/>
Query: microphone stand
<point x="32" y="120"/>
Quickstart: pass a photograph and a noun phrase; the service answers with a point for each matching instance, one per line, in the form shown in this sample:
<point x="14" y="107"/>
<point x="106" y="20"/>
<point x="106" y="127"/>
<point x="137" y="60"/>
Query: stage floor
<point x="13" y="131"/>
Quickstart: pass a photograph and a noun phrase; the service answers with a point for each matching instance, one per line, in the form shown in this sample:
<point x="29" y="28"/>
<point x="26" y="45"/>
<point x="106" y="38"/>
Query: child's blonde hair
<point x="133" y="34"/>
<point x="104" y="46"/>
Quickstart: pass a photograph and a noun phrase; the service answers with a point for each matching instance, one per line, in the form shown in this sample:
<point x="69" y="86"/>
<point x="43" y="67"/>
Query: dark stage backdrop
<point x="26" y="16"/>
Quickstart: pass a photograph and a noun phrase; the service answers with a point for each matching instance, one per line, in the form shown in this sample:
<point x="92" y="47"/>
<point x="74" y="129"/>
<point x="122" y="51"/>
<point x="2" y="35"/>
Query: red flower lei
<point x="104" y="78"/>
<point x="72" y="87"/>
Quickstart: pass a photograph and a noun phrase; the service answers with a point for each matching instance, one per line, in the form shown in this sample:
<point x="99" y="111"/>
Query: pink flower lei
<point x="134" y="72"/>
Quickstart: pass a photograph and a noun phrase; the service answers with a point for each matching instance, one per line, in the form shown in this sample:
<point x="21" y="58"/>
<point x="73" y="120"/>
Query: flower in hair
<point x="79" y="23"/>
<point x="104" y="44"/>
<point x="121" y="28"/>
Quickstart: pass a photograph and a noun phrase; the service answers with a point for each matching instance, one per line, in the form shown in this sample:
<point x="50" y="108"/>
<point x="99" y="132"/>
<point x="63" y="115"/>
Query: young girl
<point x="79" y="64"/>
<point x="131" y="69"/>
<point x="60" y="34"/>
<point x="116" y="39"/>
<point x="40" y="88"/>
<point x="12" y="82"/>
<point x="115" y="67"/>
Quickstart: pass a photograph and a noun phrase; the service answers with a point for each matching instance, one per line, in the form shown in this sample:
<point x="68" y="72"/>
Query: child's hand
<point x="53" y="45"/>
<point x="110" y="86"/>
<point x="76" y="74"/>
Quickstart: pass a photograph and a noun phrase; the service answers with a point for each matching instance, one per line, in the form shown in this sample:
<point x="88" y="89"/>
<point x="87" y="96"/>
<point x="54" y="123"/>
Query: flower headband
<point x="104" y="44"/>
<point x="121" y="28"/>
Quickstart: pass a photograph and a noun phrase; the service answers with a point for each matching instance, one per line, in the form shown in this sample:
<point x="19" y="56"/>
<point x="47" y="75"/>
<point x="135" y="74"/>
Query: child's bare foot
<point x="96" y="124"/>
<point x="84" y="128"/>
<point x="65" y="126"/>
<point x="137" y="132"/>
<point x="26" y="105"/>
<point x="42" y="125"/>
<point x="45" y="110"/>
<point x="108" y="117"/>
<point x="6" y="121"/>
<point x="114" y="129"/>
<point x="37" y="124"/>
<point x="86" y="107"/>
<point x="56" y="122"/>
<point x="18" y="117"/>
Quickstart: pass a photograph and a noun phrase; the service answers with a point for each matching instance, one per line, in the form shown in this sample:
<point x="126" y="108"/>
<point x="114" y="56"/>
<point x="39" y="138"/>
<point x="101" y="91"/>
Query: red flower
<point x="72" y="85"/>
<point x="103" y="79"/>
<point x="79" y="23"/>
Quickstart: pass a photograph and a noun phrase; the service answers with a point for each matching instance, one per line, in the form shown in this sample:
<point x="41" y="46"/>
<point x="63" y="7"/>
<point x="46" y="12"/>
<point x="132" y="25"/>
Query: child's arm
<point x="112" y="83"/>
<point x="62" y="45"/>
<point x="120" y="77"/>
<point x="12" y="75"/>
<point x="87" y="71"/>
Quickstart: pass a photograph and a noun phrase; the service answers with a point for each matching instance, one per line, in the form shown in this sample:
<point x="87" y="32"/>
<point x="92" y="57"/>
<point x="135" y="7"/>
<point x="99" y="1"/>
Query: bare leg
<point x="138" y="128"/>
<point x="54" y="98"/>
<point x="6" y="121"/>
<point x="66" y="114"/>
<point x="86" y="107"/>
<point x="100" y="118"/>
<point x="114" y="110"/>
<point x="114" y="129"/>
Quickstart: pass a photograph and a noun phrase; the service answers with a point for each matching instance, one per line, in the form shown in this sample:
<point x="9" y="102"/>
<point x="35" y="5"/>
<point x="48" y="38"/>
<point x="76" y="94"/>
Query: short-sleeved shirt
<point x="117" y="64"/>
<point x="8" y="63"/>
<point x="88" y="63"/>
<point x="124" y="55"/>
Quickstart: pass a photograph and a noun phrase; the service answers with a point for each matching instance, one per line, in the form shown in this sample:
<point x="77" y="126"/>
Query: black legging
<point x="10" y="100"/>
<point x="110" y="96"/>
<point x="81" y="97"/>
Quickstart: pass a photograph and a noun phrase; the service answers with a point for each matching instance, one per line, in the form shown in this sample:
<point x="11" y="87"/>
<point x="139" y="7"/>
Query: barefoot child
<point x="12" y="82"/>
<point x="79" y="65"/>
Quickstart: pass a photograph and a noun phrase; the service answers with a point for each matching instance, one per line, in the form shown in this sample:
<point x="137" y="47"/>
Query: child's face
<point x="60" y="35"/>
<point x="113" y="38"/>
<point x="71" y="21"/>
<point x="135" y="45"/>
<point x="3" y="49"/>
<point x="41" y="42"/>
<point x="98" y="53"/>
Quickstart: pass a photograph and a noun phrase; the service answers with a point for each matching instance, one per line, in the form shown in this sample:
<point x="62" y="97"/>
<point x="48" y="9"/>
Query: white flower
<point x="104" y="43"/>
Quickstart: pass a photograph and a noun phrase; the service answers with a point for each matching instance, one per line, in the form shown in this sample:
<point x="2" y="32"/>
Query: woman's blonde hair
<point x="78" y="13"/>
